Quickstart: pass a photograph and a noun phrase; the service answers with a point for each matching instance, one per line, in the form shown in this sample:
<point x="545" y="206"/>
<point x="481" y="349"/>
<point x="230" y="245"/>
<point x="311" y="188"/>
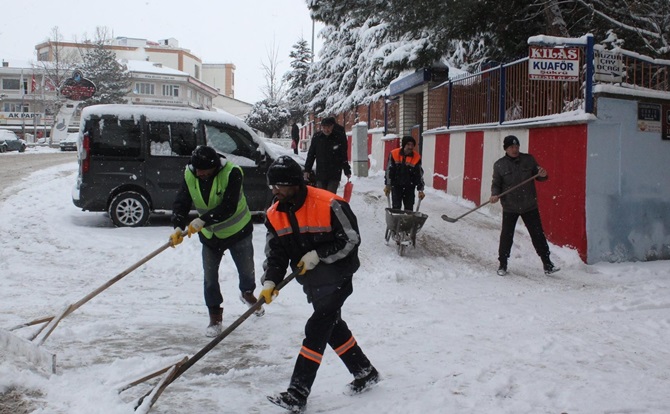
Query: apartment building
<point x="161" y="72"/>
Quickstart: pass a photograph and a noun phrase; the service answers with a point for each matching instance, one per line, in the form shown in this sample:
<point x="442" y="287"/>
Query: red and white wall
<point x="460" y="162"/>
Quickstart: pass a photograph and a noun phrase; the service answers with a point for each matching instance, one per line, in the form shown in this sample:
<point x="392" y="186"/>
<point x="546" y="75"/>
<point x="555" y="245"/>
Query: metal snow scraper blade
<point x="34" y="354"/>
<point x="31" y="348"/>
<point x="147" y="401"/>
<point x="454" y="220"/>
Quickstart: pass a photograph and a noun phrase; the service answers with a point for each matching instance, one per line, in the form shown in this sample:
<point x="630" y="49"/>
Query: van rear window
<point x="115" y="138"/>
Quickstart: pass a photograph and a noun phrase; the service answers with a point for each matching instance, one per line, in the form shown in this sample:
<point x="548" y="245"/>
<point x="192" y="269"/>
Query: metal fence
<point x="505" y="92"/>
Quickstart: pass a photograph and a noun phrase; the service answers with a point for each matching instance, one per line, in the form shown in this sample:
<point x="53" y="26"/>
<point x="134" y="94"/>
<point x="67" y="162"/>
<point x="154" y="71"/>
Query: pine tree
<point x="111" y="79"/>
<point x="296" y="79"/>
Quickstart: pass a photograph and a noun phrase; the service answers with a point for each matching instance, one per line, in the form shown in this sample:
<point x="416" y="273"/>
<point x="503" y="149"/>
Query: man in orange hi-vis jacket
<point x="314" y="231"/>
<point x="404" y="174"/>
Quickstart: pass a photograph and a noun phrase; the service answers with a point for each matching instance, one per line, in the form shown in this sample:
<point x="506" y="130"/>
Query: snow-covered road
<point x="447" y="334"/>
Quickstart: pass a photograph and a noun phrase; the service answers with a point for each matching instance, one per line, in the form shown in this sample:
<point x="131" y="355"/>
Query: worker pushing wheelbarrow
<point x="404" y="175"/>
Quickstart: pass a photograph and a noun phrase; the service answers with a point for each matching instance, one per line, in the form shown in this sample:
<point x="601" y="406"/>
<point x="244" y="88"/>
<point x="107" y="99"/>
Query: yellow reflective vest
<point x="234" y="223"/>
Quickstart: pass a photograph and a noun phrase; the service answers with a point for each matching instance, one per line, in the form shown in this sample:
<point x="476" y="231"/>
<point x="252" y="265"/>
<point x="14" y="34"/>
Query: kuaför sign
<point x="553" y="63"/>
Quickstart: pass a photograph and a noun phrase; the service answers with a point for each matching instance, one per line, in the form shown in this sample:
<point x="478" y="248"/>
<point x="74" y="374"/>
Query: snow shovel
<point x="147" y="401"/>
<point x="454" y="220"/>
<point x="348" y="188"/>
<point x="31" y="348"/>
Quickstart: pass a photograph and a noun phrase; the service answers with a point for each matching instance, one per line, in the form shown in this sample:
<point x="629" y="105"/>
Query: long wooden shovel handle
<point x="71" y="308"/>
<point x="509" y="190"/>
<point x="214" y="342"/>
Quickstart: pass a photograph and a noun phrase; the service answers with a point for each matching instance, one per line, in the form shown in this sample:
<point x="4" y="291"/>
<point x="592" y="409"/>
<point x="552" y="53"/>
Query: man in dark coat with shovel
<point x="510" y="170"/>
<point x="315" y="231"/>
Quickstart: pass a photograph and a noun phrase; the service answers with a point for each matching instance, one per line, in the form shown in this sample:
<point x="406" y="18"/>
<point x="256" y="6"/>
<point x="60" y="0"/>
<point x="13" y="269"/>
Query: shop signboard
<point x="553" y="63"/>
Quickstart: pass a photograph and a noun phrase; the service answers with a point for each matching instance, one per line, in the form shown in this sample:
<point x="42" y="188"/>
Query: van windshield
<point x="232" y="141"/>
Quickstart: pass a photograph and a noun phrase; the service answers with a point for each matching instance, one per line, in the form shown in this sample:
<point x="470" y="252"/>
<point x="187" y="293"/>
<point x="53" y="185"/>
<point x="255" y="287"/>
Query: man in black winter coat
<point x="510" y="170"/>
<point x="295" y="137"/>
<point x="314" y="231"/>
<point x="329" y="149"/>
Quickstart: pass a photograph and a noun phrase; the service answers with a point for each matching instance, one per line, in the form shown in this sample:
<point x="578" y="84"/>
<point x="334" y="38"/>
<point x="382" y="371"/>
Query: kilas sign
<point x="553" y="63"/>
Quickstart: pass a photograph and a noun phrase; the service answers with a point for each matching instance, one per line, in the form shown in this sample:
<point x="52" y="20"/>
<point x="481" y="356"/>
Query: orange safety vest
<point x="410" y="161"/>
<point x="313" y="216"/>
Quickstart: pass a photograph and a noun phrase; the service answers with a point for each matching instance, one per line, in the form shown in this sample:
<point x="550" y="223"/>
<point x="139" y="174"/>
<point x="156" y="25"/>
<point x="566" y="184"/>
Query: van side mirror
<point x="259" y="158"/>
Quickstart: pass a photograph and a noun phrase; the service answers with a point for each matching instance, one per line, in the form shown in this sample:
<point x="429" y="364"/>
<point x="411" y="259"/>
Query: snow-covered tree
<point x="644" y="25"/>
<point x="367" y="42"/>
<point x="268" y="117"/>
<point x="111" y="79"/>
<point x="296" y="79"/>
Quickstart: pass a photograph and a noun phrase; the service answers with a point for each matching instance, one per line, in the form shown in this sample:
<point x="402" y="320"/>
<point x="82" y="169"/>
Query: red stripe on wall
<point x="472" y="171"/>
<point x="562" y="198"/>
<point x="441" y="168"/>
<point x="389" y="145"/>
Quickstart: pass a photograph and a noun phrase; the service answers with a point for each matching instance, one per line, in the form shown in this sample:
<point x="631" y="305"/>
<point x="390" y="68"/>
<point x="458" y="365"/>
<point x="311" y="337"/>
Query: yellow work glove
<point x="387" y="190"/>
<point x="195" y="226"/>
<point x="421" y="195"/>
<point x="308" y="262"/>
<point x="268" y="292"/>
<point x="176" y="237"/>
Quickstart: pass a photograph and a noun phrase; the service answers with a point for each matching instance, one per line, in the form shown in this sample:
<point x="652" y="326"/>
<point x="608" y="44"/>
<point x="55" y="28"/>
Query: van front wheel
<point x="129" y="209"/>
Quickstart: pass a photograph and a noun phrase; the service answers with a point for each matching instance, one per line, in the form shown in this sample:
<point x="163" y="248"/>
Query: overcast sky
<point x="217" y="31"/>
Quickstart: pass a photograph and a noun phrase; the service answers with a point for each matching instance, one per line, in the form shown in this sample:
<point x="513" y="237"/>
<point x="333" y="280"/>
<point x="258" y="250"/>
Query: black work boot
<point x="549" y="268"/>
<point x="215" y="326"/>
<point x="364" y="382"/>
<point x="288" y="400"/>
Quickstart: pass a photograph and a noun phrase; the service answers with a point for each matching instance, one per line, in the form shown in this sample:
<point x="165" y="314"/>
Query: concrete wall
<point x="608" y="193"/>
<point x="628" y="187"/>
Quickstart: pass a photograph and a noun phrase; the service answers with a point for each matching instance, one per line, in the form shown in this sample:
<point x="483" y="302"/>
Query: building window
<point x="11" y="84"/>
<point x="43" y="56"/>
<point x="143" y="88"/>
<point x="171" y="90"/>
<point x="197" y="72"/>
<point x="15" y="107"/>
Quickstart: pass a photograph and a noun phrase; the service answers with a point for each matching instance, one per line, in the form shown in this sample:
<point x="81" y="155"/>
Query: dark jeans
<point x="326" y="327"/>
<point x="402" y="194"/>
<point x="330" y="185"/>
<point x="534" y="225"/>
<point x="242" y="254"/>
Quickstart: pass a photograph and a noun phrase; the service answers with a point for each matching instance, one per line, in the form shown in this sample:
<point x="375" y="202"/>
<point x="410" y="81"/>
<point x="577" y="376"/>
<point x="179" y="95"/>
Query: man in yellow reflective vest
<point x="214" y="186"/>
<point x="314" y="230"/>
<point x="404" y="174"/>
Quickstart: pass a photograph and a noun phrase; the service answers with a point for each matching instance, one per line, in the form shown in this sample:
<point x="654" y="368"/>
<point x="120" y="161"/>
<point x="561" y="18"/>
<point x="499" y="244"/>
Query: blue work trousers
<point x="242" y="254"/>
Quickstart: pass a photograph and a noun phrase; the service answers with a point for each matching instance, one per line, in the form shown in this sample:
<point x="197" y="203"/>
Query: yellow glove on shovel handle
<point x="177" y="237"/>
<point x="269" y="292"/>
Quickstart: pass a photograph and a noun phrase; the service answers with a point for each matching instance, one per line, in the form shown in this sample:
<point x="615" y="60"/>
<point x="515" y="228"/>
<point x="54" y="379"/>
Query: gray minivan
<point x="132" y="158"/>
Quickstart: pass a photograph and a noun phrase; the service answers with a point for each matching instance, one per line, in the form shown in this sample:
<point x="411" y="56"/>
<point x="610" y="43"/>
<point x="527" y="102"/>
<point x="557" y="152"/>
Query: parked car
<point x="69" y="143"/>
<point x="9" y="141"/>
<point x="132" y="158"/>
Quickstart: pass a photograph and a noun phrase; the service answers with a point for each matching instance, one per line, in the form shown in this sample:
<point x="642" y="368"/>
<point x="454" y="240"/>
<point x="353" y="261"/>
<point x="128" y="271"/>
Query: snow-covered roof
<point x="150" y="67"/>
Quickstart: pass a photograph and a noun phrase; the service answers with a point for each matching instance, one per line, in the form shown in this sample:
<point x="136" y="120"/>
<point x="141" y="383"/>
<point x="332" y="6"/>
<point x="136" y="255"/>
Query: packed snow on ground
<point x="446" y="333"/>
